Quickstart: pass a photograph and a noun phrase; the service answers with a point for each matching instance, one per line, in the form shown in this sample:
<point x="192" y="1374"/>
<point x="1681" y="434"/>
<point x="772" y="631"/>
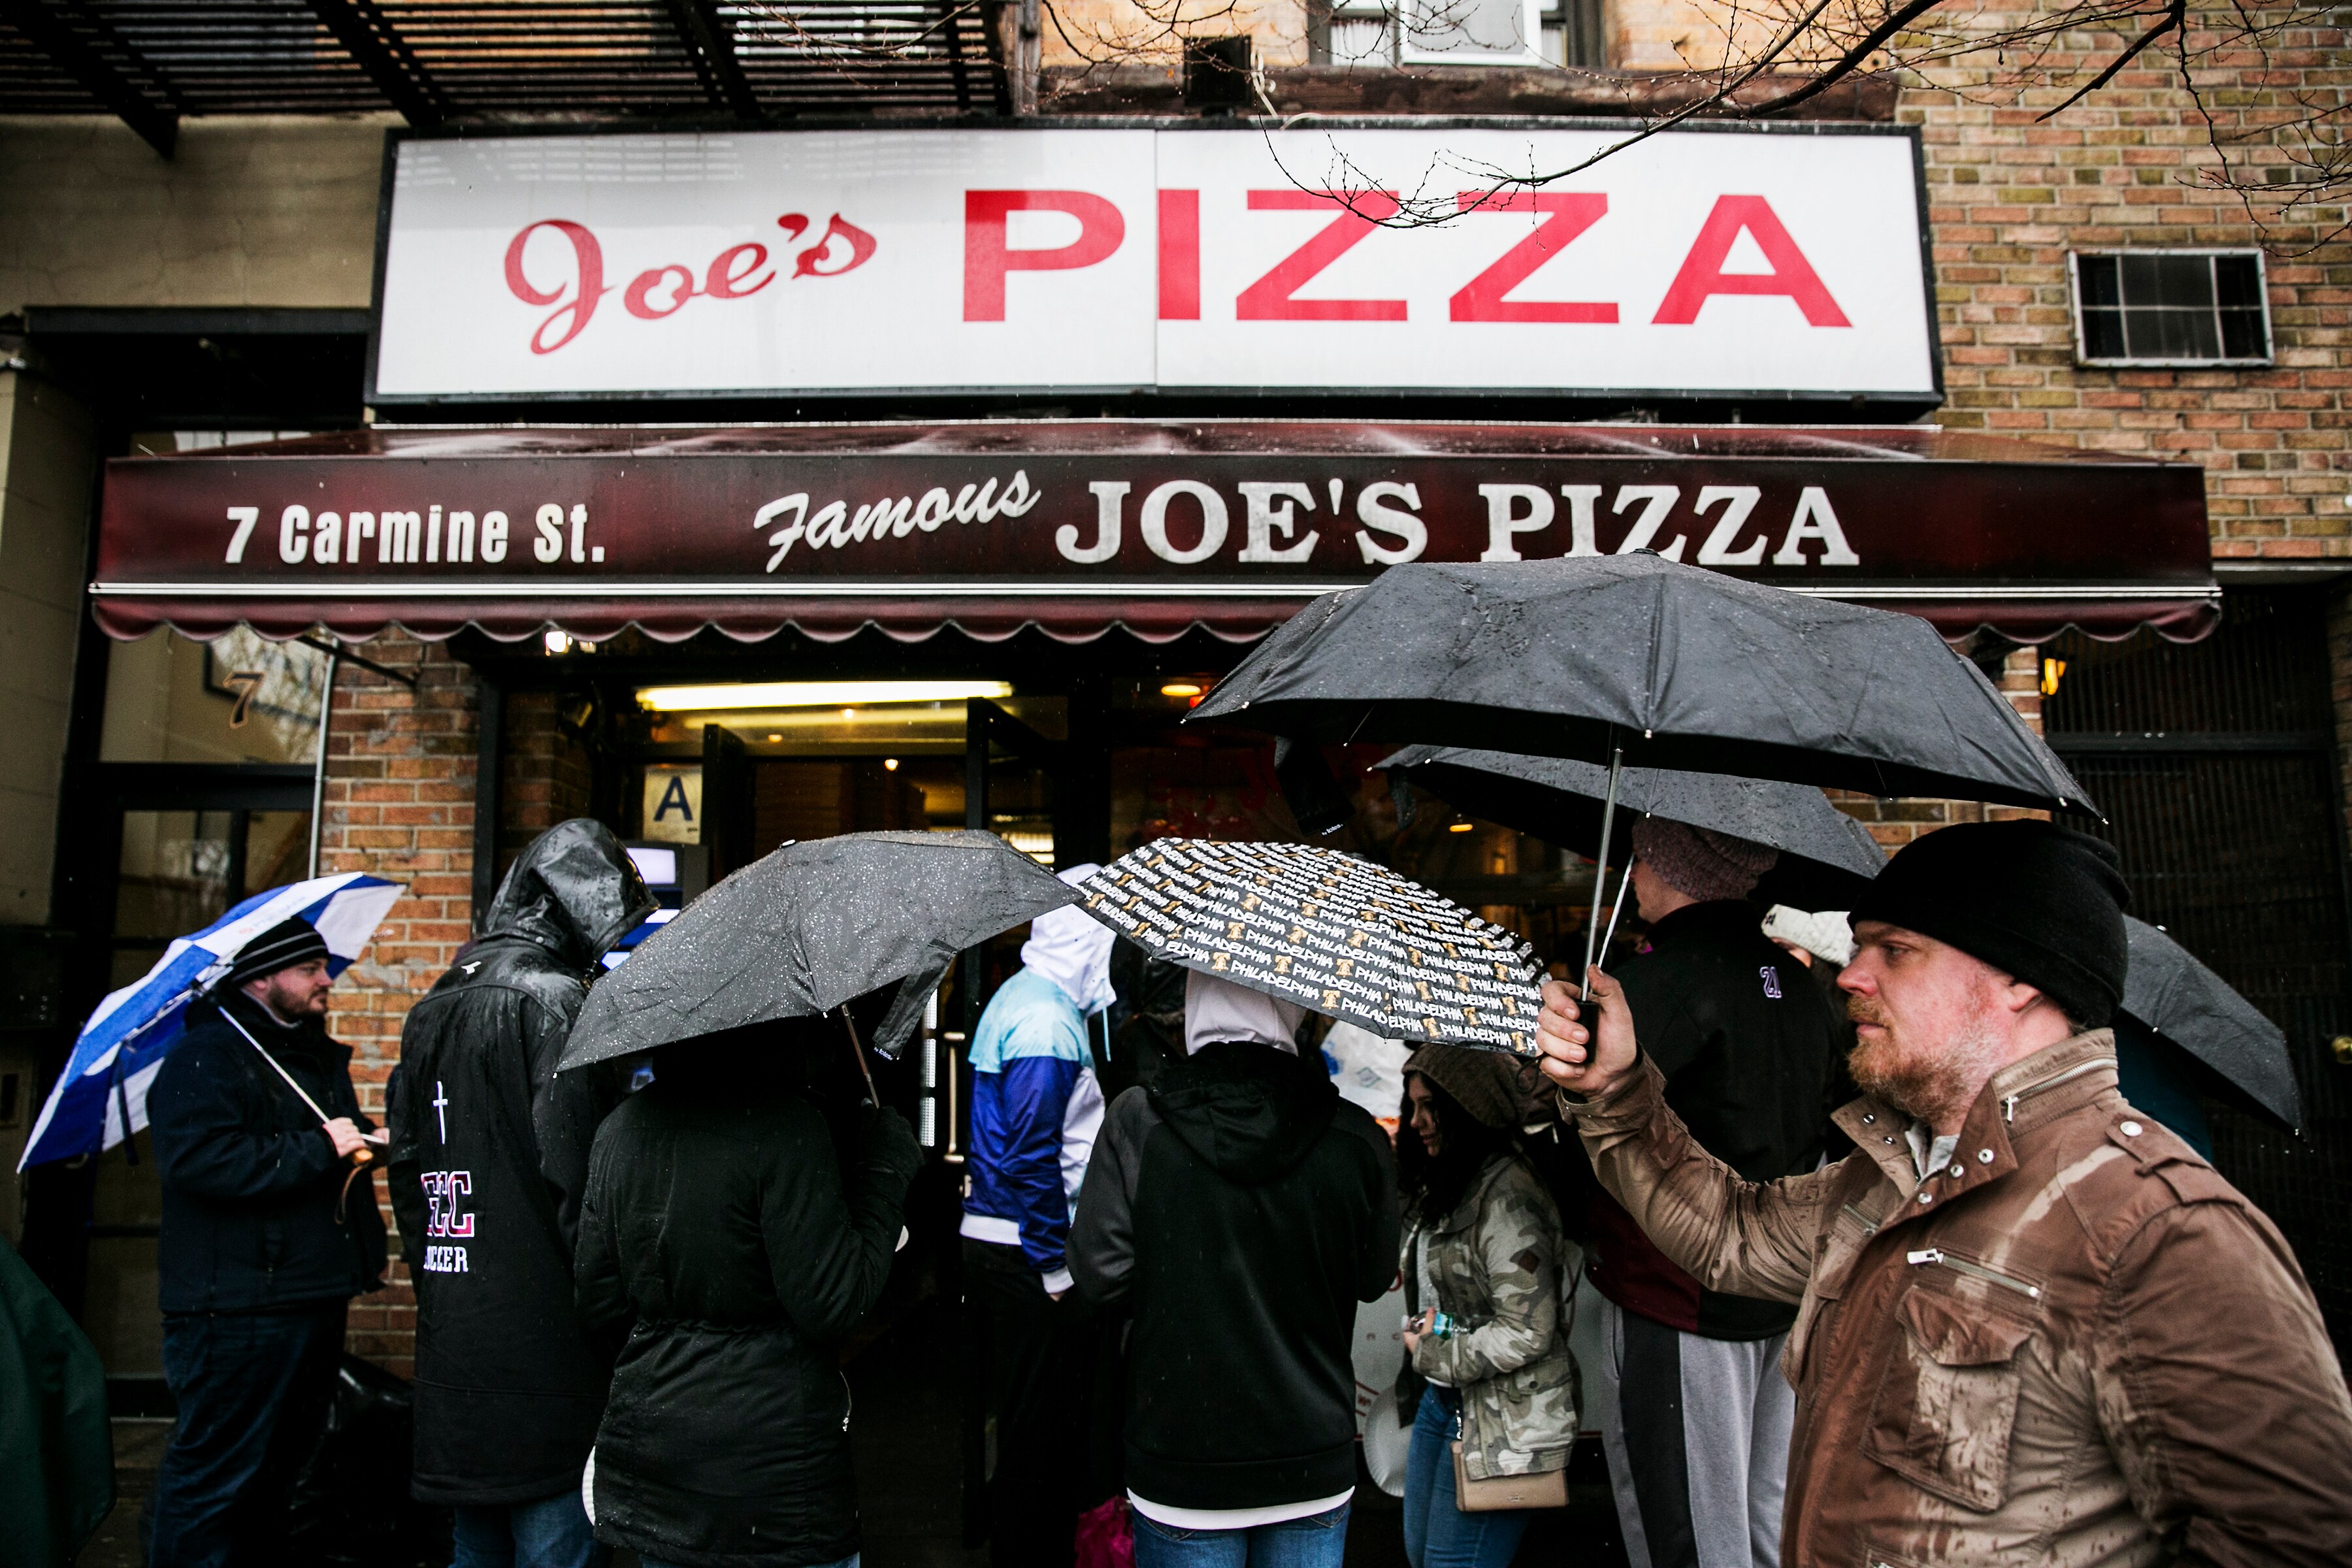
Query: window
<point x="2170" y="308"/>
<point x="1470" y="32"/>
<point x="1455" y="32"/>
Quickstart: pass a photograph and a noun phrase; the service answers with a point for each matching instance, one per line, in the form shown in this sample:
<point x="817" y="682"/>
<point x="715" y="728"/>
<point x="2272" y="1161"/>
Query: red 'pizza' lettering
<point x="1179" y="256"/>
<point x="987" y="257"/>
<point x="1571" y="212"/>
<point x="1702" y="275"/>
<point x="1269" y="298"/>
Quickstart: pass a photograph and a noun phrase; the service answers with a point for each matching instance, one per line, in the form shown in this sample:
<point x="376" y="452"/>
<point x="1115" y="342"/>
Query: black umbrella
<point x="1635" y="658"/>
<point x="1826" y="857"/>
<point x="1673" y="665"/>
<point x="2238" y="1055"/>
<point x="1331" y="932"/>
<point x="805" y="929"/>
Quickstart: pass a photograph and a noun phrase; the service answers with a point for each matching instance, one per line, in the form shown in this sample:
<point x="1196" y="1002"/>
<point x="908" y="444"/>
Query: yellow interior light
<point x="2053" y="671"/>
<point x="1459" y="826"/>
<point x="1182" y="688"/>
<point x="815" y="694"/>
<point x="889" y="765"/>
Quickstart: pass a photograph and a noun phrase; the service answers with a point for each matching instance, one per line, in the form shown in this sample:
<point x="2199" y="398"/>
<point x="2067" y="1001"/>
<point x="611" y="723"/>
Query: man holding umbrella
<point x="269" y="1228"/>
<point x="2032" y="1324"/>
<point x="490" y="1156"/>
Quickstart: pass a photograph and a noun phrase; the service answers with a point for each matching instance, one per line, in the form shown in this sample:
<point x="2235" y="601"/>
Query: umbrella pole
<point x="858" y="1051"/>
<point x="1600" y="868"/>
<point x="1617" y="909"/>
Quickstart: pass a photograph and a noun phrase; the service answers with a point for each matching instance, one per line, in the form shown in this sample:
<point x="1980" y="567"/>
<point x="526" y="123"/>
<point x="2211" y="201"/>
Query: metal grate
<point x="2216" y="764"/>
<point x="435" y="61"/>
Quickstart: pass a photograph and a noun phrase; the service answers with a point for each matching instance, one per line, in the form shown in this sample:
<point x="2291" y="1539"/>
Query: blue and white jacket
<point x="1035" y="1108"/>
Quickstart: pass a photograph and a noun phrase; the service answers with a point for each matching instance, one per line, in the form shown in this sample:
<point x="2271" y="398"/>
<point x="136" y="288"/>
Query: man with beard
<point x="268" y="1232"/>
<point x="2032" y="1325"/>
<point x="489" y="1160"/>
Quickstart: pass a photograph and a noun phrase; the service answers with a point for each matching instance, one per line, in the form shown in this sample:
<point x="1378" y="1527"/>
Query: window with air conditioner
<point x="2174" y="307"/>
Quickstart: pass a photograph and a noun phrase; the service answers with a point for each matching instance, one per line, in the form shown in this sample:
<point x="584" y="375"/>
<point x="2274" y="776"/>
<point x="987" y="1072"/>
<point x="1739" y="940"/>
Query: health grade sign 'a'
<point x="1699" y="263"/>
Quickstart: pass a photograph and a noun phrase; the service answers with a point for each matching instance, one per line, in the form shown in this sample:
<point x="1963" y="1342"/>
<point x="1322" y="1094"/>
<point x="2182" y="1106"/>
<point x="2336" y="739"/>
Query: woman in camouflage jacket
<point x="1482" y="1254"/>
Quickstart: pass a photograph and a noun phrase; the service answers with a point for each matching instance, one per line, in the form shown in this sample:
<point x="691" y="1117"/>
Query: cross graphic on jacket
<point x="441" y="1108"/>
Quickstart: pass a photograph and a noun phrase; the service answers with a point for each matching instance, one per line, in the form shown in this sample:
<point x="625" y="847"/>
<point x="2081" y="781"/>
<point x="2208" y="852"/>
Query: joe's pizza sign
<point x="1712" y="263"/>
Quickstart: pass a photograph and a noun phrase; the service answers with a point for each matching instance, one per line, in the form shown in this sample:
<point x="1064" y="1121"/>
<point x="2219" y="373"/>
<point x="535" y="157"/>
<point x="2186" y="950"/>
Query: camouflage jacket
<point x="1495" y="1263"/>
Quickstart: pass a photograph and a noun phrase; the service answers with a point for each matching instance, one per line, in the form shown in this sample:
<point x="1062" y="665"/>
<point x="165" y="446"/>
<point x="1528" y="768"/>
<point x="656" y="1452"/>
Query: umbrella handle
<point x="873" y="1096"/>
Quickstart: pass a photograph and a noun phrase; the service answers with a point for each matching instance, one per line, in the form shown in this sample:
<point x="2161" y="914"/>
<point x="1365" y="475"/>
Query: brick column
<point x="399" y="805"/>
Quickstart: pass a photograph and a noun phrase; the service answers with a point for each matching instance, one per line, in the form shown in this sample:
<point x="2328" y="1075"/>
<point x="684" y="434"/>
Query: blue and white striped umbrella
<point x="102" y="1097"/>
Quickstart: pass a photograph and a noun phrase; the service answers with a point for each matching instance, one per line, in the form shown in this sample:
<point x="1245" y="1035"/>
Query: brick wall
<point x="2008" y="197"/>
<point x="399" y="803"/>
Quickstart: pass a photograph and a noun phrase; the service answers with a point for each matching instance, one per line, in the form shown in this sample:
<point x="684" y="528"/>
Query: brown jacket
<point x="2075" y="1344"/>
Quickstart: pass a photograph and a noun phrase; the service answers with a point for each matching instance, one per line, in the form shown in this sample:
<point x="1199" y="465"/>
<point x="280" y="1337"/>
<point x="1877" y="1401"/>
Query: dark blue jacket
<point x="256" y="1215"/>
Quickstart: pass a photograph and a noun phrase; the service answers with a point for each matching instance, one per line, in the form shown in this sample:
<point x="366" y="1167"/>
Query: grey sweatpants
<point x="1697" y="1432"/>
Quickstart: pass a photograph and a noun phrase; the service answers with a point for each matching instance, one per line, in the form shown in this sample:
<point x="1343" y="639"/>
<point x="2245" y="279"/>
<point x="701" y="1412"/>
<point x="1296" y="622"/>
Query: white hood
<point x="1072" y="949"/>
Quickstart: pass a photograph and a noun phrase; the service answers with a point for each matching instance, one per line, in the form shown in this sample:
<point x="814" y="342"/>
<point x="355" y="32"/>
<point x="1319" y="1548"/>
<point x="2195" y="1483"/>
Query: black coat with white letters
<point x="489" y="1155"/>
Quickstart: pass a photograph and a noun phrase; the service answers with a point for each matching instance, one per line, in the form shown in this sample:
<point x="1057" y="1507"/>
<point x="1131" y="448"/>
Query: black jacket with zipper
<point x="1239" y="1209"/>
<point x="725" y="1234"/>
<point x="490" y="1156"/>
<point x="1747" y="1043"/>
<point x="258" y="1213"/>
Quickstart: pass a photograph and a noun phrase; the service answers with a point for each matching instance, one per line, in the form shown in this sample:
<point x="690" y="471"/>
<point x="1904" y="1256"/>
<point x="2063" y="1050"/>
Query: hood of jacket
<point x="574" y="891"/>
<point x="1249" y="1110"/>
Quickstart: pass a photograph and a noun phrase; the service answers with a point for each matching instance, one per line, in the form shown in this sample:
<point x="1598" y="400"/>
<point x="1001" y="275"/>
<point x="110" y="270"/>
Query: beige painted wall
<point x="250" y="211"/>
<point x="48" y="447"/>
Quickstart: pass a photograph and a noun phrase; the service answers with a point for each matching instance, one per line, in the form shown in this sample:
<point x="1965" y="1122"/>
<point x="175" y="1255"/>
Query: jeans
<point x="849" y="1561"/>
<point x="253" y="1389"/>
<point x="552" y="1533"/>
<point x="1436" y="1534"/>
<point x="1319" y="1541"/>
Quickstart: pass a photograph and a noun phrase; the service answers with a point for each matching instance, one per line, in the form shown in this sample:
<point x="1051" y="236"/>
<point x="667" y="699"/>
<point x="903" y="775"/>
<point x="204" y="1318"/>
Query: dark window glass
<point x="2102" y="282"/>
<point x="2178" y="307"/>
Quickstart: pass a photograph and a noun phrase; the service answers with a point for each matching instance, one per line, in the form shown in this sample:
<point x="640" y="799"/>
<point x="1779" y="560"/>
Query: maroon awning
<point x="1079" y="527"/>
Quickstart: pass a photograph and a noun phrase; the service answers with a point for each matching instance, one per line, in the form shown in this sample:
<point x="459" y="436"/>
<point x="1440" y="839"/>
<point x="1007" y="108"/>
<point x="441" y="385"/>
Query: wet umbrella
<point x="1330" y="931"/>
<point x="1634" y="660"/>
<point x="803" y="930"/>
<point x="2237" y="1055"/>
<point x="100" y="1096"/>
<point x="1826" y="857"/>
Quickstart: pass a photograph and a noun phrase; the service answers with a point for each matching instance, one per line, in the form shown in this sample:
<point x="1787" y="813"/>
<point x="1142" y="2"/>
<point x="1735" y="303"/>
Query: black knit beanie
<point x="2039" y="903"/>
<point x="282" y="946"/>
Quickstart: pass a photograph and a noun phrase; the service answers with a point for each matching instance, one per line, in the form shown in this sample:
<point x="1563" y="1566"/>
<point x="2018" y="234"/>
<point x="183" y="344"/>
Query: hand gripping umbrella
<point x="2239" y="1055"/>
<point x="1621" y="659"/>
<point x="809" y="927"/>
<point x="100" y="1098"/>
<point x="1330" y="931"/>
<point x="1826" y="857"/>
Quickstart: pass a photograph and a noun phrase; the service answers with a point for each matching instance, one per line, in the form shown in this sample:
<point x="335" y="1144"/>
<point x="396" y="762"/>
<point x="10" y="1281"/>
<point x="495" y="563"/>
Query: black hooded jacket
<point x="737" y="1240"/>
<point x="489" y="1155"/>
<point x="258" y="1213"/>
<point x="1239" y="1209"/>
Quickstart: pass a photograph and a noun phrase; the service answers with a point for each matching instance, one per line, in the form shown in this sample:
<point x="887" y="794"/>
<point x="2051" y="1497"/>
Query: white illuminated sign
<point x="1695" y="263"/>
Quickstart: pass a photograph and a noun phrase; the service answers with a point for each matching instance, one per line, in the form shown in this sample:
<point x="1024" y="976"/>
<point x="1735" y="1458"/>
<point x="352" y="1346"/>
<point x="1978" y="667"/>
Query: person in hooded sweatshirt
<point x="1036" y="1106"/>
<point x="490" y="1156"/>
<point x="1239" y="1210"/>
